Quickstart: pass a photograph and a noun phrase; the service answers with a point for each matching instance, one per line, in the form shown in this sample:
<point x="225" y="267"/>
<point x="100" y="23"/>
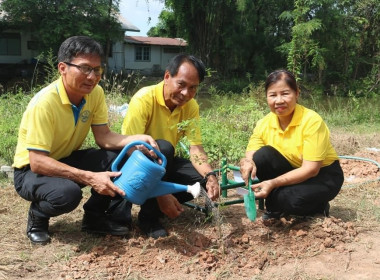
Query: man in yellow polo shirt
<point x="168" y="111"/>
<point x="50" y="170"/>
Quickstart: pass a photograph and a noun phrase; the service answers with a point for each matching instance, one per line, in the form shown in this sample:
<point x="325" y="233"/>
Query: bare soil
<point x="345" y="245"/>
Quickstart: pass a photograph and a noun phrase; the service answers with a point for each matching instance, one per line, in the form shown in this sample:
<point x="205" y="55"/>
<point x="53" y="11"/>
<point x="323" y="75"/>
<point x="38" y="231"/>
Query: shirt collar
<point x="159" y="92"/>
<point x="297" y="117"/>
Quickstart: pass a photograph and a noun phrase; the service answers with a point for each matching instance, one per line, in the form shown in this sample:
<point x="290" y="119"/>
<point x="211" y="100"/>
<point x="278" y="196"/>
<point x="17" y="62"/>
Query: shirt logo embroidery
<point x="85" y="115"/>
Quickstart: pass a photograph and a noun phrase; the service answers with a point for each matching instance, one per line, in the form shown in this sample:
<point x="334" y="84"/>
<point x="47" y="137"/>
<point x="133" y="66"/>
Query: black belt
<point x="22" y="169"/>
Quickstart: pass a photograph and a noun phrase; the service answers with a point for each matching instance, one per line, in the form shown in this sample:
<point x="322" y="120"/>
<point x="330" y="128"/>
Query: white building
<point x="148" y="55"/>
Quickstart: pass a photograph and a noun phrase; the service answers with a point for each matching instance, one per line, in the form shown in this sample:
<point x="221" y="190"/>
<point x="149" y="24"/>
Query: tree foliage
<point x="303" y="50"/>
<point x="334" y="43"/>
<point x="52" y="21"/>
<point x="230" y="36"/>
<point x="166" y="26"/>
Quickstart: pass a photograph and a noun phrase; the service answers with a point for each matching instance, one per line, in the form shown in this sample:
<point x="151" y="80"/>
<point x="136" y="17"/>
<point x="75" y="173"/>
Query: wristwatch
<point x="212" y="173"/>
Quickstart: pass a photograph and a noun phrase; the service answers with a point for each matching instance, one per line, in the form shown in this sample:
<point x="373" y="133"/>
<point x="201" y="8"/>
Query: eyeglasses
<point x="98" y="71"/>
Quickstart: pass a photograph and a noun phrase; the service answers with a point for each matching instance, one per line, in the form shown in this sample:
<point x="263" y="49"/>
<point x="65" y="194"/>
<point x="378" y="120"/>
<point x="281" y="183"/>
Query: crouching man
<point x="50" y="168"/>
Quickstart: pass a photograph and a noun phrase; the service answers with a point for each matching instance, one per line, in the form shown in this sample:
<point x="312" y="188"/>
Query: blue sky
<point x="138" y="12"/>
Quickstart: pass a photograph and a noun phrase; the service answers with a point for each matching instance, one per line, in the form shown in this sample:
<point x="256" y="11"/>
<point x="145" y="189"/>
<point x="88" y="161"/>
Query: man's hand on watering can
<point x="101" y="182"/>
<point x="149" y="153"/>
<point x="213" y="189"/>
<point x="149" y="140"/>
<point x="169" y="205"/>
<point x="145" y="138"/>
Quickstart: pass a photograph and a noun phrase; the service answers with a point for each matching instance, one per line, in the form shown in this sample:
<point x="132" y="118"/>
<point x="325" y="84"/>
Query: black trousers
<point x="53" y="196"/>
<point x="306" y="198"/>
<point x="178" y="170"/>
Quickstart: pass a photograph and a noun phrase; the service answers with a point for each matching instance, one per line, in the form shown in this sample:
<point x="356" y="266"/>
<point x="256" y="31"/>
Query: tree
<point x="336" y="41"/>
<point x="201" y="22"/>
<point x="303" y="51"/>
<point x="52" y="21"/>
<point x="166" y="26"/>
<point x="257" y="32"/>
<point x="232" y="37"/>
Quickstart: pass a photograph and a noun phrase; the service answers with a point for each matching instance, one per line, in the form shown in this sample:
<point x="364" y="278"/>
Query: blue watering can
<point x="141" y="176"/>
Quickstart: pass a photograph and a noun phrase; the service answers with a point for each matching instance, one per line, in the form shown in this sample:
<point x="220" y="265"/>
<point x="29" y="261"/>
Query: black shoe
<point x="152" y="228"/>
<point x="99" y="224"/>
<point x="271" y="215"/>
<point x="37" y="229"/>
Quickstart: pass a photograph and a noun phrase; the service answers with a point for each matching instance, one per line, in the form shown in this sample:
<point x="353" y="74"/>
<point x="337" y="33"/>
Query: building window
<point x="10" y="44"/>
<point x="142" y="53"/>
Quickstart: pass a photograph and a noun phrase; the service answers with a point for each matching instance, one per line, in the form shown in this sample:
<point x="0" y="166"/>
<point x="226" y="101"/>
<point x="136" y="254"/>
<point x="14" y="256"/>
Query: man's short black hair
<point x="179" y="59"/>
<point x="79" y="45"/>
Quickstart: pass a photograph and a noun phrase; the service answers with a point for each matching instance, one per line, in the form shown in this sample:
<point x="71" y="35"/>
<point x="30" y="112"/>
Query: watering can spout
<point x="169" y="188"/>
<point x="195" y="189"/>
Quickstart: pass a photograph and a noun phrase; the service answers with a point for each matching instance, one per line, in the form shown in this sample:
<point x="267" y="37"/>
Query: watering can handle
<point x="114" y="166"/>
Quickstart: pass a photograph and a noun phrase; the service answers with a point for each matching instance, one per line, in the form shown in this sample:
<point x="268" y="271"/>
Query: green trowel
<point x="250" y="203"/>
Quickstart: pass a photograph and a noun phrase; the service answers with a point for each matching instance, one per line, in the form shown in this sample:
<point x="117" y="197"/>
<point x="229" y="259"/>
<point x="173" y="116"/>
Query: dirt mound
<point x="244" y="249"/>
<point x="232" y="244"/>
<point x="362" y="166"/>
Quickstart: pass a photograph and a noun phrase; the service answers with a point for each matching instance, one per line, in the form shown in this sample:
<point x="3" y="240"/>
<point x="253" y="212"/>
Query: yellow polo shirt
<point x="52" y="124"/>
<point x="306" y="137"/>
<point x="148" y="114"/>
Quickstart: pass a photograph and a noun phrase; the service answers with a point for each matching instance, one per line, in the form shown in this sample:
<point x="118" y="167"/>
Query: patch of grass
<point x="12" y="107"/>
<point x="346" y="112"/>
<point x="121" y="84"/>
<point x="347" y="143"/>
<point x="359" y="203"/>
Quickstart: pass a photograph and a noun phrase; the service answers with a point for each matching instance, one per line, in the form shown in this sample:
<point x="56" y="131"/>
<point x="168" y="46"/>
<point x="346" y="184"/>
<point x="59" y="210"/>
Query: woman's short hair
<point x="281" y="74"/>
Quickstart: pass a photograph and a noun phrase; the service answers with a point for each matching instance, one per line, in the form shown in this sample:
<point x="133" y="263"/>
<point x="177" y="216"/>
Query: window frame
<point x="10" y="44"/>
<point x="143" y="53"/>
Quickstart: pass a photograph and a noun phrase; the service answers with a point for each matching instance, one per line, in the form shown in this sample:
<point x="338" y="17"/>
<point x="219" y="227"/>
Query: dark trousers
<point x="178" y="170"/>
<point x="306" y="198"/>
<point x="53" y="196"/>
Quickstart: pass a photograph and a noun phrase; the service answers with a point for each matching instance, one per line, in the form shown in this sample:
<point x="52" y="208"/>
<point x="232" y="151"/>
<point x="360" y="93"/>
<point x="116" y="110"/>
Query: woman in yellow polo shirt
<point x="291" y="154"/>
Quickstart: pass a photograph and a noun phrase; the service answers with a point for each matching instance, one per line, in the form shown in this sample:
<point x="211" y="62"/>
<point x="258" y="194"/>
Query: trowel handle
<point x="115" y="164"/>
<point x="249" y="185"/>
